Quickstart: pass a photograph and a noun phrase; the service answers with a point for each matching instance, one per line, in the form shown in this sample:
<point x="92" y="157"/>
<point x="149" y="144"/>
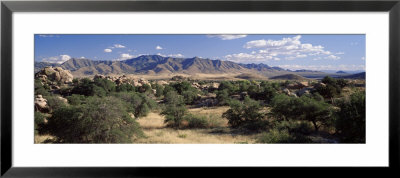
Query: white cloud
<point x="107" y="50"/>
<point x="172" y="55"/>
<point x="248" y="58"/>
<point x="287" y="48"/>
<point x="176" y="55"/>
<point x="255" y="44"/>
<point x="227" y="37"/>
<point x="82" y="57"/>
<point x="158" y="47"/>
<point x="57" y="59"/>
<point x="333" y="57"/>
<point x="125" y="56"/>
<point x="290" y="43"/>
<point x="119" y="46"/>
<point x="339" y="53"/>
<point x="363" y="58"/>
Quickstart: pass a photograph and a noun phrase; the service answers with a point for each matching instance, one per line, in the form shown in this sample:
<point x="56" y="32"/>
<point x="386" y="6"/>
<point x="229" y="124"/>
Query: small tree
<point x="223" y="97"/>
<point x="303" y="108"/>
<point x="239" y="114"/>
<point x="175" y="109"/>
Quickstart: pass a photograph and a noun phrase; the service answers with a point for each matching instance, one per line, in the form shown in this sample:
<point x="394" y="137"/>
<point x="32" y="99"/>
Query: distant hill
<point x="341" y="72"/>
<point x="159" y="65"/>
<point x="288" y="77"/>
<point x="251" y="77"/>
<point x="355" y="76"/>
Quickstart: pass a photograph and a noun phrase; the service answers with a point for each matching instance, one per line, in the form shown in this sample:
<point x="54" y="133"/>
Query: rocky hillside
<point x="155" y="64"/>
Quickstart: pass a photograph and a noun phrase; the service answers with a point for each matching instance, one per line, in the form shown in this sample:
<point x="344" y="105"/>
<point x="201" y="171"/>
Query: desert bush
<point x="229" y="87"/>
<point x="75" y="99"/>
<point x="248" y="112"/>
<point x="54" y="102"/>
<point x="350" y="124"/>
<point x="275" y="136"/>
<point x="100" y="120"/>
<point x="39" y="121"/>
<point x="159" y="90"/>
<point x="287" y="132"/>
<point x="167" y="89"/>
<point x="137" y="103"/>
<point x="282" y="136"/>
<point x="125" y="87"/>
<point x="105" y="84"/>
<point x="41" y="89"/>
<point x="175" y="109"/>
<point x="303" y="108"/>
<point x="332" y="88"/>
<point x="83" y="87"/>
<point x="190" y="96"/>
<point x="196" y="121"/>
<point x="223" y="97"/>
<point x="297" y="127"/>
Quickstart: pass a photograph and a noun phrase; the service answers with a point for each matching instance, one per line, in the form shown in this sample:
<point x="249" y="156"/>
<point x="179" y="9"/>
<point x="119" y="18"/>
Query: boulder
<point x="288" y="92"/>
<point x="304" y="91"/>
<point x="144" y="81"/>
<point x="214" y="85"/>
<point x="64" y="100"/>
<point x="41" y="104"/>
<point x="162" y="82"/>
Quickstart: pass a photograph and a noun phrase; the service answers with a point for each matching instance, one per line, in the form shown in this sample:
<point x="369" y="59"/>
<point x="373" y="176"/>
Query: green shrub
<point x="243" y="113"/>
<point x="159" y="90"/>
<point x="39" y="121"/>
<point x="41" y="89"/>
<point x="196" y="121"/>
<point x="283" y="136"/>
<point x="75" y="99"/>
<point x="276" y="136"/>
<point x="100" y="120"/>
<point x="190" y="96"/>
<point x="303" y="108"/>
<point x="175" y="109"/>
<point x="125" y="87"/>
<point x="83" y="86"/>
<point x="223" y="97"/>
<point x="54" y="102"/>
<point x="137" y="103"/>
<point x="350" y="124"/>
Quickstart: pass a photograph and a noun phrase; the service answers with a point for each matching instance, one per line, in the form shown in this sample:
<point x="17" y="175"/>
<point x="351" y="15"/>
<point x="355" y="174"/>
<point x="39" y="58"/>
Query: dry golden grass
<point x="41" y="138"/>
<point x="156" y="132"/>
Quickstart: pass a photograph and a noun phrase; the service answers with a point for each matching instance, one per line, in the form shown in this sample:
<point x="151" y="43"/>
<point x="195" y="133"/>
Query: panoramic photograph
<point x="199" y="88"/>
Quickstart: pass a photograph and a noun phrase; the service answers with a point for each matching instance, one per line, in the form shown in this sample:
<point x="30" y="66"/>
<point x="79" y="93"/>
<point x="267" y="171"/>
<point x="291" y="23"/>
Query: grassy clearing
<point x="156" y="132"/>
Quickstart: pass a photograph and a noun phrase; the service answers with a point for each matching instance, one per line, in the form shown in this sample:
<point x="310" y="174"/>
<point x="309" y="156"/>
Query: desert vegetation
<point x="125" y="109"/>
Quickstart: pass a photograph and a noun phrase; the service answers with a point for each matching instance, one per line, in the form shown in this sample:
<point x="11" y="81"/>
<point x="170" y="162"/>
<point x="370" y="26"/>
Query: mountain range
<point x="159" y="65"/>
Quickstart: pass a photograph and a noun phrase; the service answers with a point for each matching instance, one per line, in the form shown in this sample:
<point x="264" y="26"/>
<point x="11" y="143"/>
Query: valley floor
<point x="156" y="132"/>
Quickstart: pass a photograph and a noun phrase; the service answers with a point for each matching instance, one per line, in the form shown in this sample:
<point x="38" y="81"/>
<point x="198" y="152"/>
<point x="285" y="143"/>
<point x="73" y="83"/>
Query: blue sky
<point x="314" y="52"/>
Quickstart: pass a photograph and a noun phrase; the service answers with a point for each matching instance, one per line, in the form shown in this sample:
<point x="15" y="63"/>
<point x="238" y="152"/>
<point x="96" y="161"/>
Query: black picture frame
<point x="8" y="7"/>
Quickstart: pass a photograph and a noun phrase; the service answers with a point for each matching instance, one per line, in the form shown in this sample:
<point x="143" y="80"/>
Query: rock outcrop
<point x="124" y="79"/>
<point x="55" y="75"/>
